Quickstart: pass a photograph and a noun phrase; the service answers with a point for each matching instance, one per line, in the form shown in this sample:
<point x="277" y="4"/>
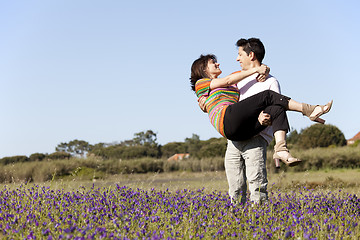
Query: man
<point x="246" y="160"/>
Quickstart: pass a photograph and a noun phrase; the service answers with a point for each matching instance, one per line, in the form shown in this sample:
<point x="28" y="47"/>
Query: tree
<point x="142" y="145"/>
<point x="321" y="135"/>
<point x="37" y="157"/>
<point x="145" y="145"/>
<point x="14" y="159"/>
<point x="59" y="155"/>
<point x="172" y="148"/>
<point x="193" y="145"/>
<point x="147" y="138"/>
<point x="76" y="147"/>
<point x="213" y="147"/>
<point x="292" y="138"/>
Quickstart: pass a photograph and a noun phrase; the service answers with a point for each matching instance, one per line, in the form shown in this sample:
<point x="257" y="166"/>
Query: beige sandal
<point x="309" y="109"/>
<point x="288" y="160"/>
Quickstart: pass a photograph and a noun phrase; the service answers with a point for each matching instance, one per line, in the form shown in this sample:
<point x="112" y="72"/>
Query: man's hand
<point x="264" y="71"/>
<point x="264" y="119"/>
<point x="202" y="105"/>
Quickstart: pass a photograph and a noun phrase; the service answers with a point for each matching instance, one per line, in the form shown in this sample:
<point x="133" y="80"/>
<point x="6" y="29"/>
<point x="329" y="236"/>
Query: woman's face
<point x="213" y="69"/>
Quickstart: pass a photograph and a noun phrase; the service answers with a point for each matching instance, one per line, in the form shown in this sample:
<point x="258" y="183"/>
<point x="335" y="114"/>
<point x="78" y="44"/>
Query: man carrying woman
<point x="238" y="121"/>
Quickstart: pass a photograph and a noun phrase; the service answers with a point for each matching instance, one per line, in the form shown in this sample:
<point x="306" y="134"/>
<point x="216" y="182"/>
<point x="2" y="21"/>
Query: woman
<point x="239" y="120"/>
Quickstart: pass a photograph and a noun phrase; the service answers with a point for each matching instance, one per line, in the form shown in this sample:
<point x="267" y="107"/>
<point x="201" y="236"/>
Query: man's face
<point x="244" y="59"/>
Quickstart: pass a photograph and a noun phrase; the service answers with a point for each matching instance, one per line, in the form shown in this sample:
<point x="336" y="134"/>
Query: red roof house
<point x="355" y="138"/>
<point x="179" y="156"/>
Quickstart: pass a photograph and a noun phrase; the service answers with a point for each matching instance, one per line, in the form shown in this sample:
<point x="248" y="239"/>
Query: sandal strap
<point x="308" y="109"/>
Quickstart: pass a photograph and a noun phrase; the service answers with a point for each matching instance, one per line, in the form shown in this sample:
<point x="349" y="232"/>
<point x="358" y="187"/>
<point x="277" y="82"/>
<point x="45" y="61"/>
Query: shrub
<point x="213" y="148"/>
<point x="37" y="157"/>
<point x="321" y="135"/>
<point x="59" y="155"/>
<point x="322" y="158"/>
<point x="14" y="159"/>
<point x="196" y="165"/>
<point x="141" y="166"/>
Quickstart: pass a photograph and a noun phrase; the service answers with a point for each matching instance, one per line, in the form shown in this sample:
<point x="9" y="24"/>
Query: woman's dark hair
<point x="252" y="45"/>
<point x="198" y="68"/>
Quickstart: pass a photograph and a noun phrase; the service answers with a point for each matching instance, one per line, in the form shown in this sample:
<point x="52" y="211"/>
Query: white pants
<point x="246" y="160"/>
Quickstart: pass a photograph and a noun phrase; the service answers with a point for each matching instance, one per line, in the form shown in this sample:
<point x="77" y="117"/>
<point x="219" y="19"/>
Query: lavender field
<point x="120" y="212"/>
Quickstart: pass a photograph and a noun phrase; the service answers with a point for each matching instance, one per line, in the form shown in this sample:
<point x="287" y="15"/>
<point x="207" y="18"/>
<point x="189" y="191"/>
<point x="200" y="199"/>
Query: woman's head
<point x="205" y="66"/>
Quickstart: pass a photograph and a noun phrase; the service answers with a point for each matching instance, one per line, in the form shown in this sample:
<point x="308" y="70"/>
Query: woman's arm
<point x="236" y="77"/>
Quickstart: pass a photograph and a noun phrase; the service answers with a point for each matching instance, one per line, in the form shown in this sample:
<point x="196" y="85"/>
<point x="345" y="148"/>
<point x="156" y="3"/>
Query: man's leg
<point x="255" y="162"/>
<point x="235" y="171"/>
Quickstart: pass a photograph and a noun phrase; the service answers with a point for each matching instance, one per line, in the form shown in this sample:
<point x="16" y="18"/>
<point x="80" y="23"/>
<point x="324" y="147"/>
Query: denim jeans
<point x="246" y="161"/>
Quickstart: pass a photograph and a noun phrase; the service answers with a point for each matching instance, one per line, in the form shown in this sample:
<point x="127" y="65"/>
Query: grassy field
<point x="182" y="205"/>
<point x="346" y="180"/>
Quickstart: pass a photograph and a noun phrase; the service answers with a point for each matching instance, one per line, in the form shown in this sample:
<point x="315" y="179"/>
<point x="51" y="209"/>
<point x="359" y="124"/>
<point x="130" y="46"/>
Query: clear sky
<point x="101" y="71"/>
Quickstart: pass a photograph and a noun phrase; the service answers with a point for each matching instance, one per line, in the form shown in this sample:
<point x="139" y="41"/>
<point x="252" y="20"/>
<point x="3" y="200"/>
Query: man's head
<point x="251" y="51"/>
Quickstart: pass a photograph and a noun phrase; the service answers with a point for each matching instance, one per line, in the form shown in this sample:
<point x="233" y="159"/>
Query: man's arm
<point x="264" y="119"/>
<point x="236" y="77"/>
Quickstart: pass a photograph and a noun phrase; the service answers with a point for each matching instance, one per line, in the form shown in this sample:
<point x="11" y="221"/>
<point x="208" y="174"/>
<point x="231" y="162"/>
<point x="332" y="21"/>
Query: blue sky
<point x="101" y="71"/>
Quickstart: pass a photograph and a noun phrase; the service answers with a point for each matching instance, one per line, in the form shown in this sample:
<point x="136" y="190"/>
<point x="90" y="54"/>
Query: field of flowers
<point x="119" y="212"/>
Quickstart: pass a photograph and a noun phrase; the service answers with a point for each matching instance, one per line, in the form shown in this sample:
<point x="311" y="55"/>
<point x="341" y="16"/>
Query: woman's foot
<point x="282" y="154"/>
<point x="315" y="111"/>
<point x="286" y="158"/>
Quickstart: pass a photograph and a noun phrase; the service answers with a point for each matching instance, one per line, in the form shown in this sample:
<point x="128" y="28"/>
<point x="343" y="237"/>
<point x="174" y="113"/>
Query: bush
<point x="172" y="148"/>
<point x="141" y="166"/>
<point x="59" y="155"/>
<point x="322" y="158"/>
<point x="321" y="135"/>
<point x="196" y="165"/>
<point x="37" y="157"/>
<point x="214" y="147"/>
<point x="14" y="159"/>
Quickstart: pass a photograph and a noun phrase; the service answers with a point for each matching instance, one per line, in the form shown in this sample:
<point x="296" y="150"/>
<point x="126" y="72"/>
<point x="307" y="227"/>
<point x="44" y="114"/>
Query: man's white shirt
<point x="250" y="86"/>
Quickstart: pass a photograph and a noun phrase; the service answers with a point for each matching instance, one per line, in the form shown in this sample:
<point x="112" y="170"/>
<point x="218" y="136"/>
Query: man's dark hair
<point x="198" y="68"/>
<point x="252" y="45"/>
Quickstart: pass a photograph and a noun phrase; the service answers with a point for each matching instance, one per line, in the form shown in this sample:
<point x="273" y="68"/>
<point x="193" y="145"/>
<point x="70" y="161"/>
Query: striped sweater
<point x="217" y="101"/>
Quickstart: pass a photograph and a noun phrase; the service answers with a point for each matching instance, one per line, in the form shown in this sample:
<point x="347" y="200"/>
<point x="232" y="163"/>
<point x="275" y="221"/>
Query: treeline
<point x="34" y="157"/>
<point x="144" y="145"/>
<point x="97" y="168"/>
<point x="319" y="146"/>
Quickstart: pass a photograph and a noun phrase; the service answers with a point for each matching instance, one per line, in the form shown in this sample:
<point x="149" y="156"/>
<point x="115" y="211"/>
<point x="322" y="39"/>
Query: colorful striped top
<point x="217" y="101"/>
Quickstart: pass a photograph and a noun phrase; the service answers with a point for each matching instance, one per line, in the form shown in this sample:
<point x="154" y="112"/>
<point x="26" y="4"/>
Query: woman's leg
<point x="281" y="127"/>
<point x="312" y="111"/>
<point x="241" y="119"/>
<point x="281" y="151"/>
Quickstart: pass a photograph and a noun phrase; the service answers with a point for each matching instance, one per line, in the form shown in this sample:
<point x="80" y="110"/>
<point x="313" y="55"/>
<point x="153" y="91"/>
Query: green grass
<point x="346" y="180"/>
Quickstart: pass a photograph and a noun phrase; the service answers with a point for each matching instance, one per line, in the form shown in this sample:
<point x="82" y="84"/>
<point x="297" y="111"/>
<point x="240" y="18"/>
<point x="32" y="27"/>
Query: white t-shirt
<point x="250" y="86"/>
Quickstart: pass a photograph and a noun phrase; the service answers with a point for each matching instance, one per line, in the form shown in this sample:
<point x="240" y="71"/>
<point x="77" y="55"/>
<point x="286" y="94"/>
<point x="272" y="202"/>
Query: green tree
<point x="145" y="145"/>
<point x="37" y="157"/>
<point x="142" y="145"/>
<point x="172" y="148"/>
<point x="321" y="135"/>
<point x="193" y="145"/>
<point x="214" y="147"/>
<point x="14" y="159"/>
<point x="59" y="155"/>
<point x="292" y="138"/>
<point x="147" y="138"/>
<point x="75" y="147"/>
